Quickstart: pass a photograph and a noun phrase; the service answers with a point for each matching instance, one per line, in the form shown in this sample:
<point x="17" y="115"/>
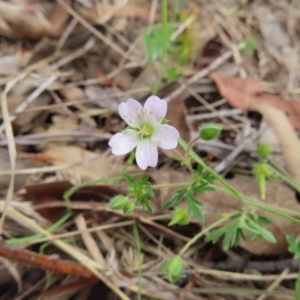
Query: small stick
<point x="215" y="64"/>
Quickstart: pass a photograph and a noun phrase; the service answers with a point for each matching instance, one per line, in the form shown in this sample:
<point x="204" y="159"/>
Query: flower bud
<point x="118" y="202"/>
<point x="172" y="269"/>
<point x="263" y="150"/>
<point x="210" y="132"/>
<point x="180" y="217"/>
<point x="129" y="207"/>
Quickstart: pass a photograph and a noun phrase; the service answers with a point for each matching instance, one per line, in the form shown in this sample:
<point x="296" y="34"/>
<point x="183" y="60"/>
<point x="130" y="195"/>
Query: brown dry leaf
<point x="88" y="165"/>
<point x="27" y="21"/>
<point x="44" y="194"/>
<point x="287" y="137"/>
<point x="167" y="176"/>
<point x="278" y="194"/>
<point x="62" y="124"/>
<point x="243" y="92"/>
<point x="11" y="63"/>
<point x="147" y="78"/>
<point x="20" y="180"/>
<point x="176" y="115"/>
<point x="102" y="12"/>
<point x="25" y="121"/>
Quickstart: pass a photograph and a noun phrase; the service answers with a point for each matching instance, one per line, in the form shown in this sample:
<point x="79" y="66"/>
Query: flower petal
<point x="146" y="154"/>
<point x="123" y="142"/>
<point x="165" y="136"/>
<point x="156" y="108"/>
<point x="131" y="111"/>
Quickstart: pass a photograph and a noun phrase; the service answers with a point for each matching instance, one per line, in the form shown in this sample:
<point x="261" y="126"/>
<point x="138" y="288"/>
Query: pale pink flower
<point x="146" y="131"/>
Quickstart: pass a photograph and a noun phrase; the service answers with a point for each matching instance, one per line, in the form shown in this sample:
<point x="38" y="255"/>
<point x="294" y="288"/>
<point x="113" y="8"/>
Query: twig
<point x="224" y="113"/>
<point x="90" y="264"/>
<point x="92" y="29"/>
<point x="261" y="266"/>
<point x="274" y="284"/>
<point x="231" y="157"/>
<point x="30" y="99"/>
<point x="215" y="64"/>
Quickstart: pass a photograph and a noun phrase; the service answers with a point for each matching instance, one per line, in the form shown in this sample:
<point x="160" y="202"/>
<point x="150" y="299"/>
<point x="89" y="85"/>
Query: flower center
<point x="145" y="131"/>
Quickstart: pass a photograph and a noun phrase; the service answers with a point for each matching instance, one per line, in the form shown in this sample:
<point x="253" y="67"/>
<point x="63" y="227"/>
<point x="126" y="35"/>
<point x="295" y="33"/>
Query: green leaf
<point x="251" y="46"/>
<point x="180" y="216"/>
<point x="215" y="235"/>
<point x="198" y="214"/>
<point x="294" y="246"/>
<point x="129" y="178"/>
<point x="153" y="39"/>
<point x="147" y="206"/>
<point x="175" y="200"/>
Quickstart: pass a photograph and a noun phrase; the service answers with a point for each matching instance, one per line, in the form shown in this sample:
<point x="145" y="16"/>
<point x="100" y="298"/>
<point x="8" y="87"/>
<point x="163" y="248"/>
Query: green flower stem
<point x="30" y="238"/>
<point x="279" y="167"/>
<point x="193" y="155"/>
<point x="164" y="44"/>
<point x="173" y="184"/>
<point x="279" y="211"/>
<point x="77" y="187"/>
<point x="139" y="257"/>
<point x="191" y="143"/>
<point x="184" y="161"/>
<point x="129" y="161"/>
<point x="232" y="190"/>
<point x="287" y="178"/>
<point x="223" y="219"/>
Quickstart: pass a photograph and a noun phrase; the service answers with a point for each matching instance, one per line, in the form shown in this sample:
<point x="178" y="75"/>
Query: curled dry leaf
<point x="241" y="93"/>
<point x="88" y="165"/>
<point x="20" y="180"/>
<point x="27" y="21"/>
<point x="102" y="12"/>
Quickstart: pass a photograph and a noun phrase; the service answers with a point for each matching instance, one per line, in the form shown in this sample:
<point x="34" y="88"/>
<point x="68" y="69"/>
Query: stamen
<point x="143" y="131"/>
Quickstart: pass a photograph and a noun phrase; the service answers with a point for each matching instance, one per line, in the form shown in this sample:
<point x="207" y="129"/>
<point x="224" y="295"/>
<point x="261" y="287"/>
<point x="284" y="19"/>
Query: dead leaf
<point x="62" y="124"/>
<point x="101" y="12"/>
<point x="167" y="176"/>
<point x="243" y="92"/>
<point x="87" y="164"/>
<point x="27" y="21"/>
<point x="20" y="180"/>
<point x="11" y="63"/>
<point x="66" y="290"/>
<point x="24" y="122"/>
<point x="176" y="116"/>
<point x="146" y="79"/>
<point x="48" y="193"/>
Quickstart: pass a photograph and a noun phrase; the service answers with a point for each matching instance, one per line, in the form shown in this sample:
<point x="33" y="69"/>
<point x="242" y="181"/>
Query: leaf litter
<point x="70" y="66"/>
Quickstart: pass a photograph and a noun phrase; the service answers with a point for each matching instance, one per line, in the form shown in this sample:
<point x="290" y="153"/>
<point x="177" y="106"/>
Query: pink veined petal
<point x="131" y="112"/>
<point x="124" y="142"/>
<point x="146" y="154"/>
<point x="156" y="108"/>
<point x="165" y="136"/>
